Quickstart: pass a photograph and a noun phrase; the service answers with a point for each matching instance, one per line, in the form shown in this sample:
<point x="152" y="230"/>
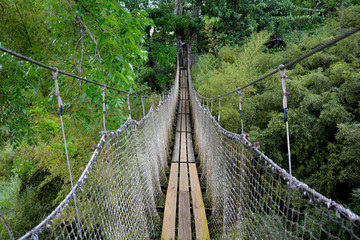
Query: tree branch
<point x="78" y="19"/>
<point x="5" y="223"/>
<point x="23" y="23"/>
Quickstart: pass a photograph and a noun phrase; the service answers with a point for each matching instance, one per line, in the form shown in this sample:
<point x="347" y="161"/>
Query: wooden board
<point x="168" y="229"/>
<point x="178" y="124"/>
<point x="184" y="76"/>
<point x="183" y="107"/>
<point x="184" y="230"/>
<point x="183" y="154"/>
<point x="175" y="156"/>
<point x="201" y="225"/>
<point x="190" y="149"/>
<point x="188" y="123"/>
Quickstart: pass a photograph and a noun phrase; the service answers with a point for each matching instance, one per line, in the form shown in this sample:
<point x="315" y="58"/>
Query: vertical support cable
<point x="212" y="104"/>
<point x="219" y="109"/>
<point x="103" y="102"/>
<point x="285" y="94"/>
<point x="128" y="103"/>
<point x="142" y="104"/>
<point x="240" y="110"/>
<point x="61" y="109"/>
<point x="207" y="104"/>
<point x="163" y="96"/>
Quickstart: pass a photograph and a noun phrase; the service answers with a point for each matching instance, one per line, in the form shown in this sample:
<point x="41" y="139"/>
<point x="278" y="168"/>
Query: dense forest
<point x="131" y="45"/>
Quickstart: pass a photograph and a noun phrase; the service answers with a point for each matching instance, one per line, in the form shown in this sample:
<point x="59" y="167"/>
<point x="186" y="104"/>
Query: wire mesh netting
<point x="117" y="194"/>
<point x="253" y="198"/>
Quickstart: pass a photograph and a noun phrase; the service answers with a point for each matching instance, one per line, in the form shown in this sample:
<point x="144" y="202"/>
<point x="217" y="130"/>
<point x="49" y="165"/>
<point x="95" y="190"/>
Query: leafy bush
<point x="323" y="103"/>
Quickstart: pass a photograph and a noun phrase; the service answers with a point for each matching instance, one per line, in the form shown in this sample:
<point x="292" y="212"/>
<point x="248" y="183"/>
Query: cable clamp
<point x="282" y="71"/>
<point x="55" y="73"/>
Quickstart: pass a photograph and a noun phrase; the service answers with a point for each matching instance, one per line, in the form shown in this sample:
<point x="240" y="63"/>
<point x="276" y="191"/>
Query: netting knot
<point x="255" y="145"/>
<point x="329" y="203"/>
<point x="95" y="146"/>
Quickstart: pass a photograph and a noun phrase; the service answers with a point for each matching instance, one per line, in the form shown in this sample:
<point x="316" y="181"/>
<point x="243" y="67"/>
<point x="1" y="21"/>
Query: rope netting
<point x="117" y="194"/>
<point x="252" y="197"/>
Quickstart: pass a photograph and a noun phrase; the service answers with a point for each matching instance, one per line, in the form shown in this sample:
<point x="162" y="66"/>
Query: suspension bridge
<point x="177" y="174"/>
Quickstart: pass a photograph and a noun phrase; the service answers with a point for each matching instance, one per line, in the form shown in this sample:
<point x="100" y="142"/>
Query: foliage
<point x="236" y="20"/>
<point x="131" y="45"/>
<point x="19" y="207"/>
<point x="355" y="200"/>
<point x="323" y="105"/>
<point x="104" y="42"/>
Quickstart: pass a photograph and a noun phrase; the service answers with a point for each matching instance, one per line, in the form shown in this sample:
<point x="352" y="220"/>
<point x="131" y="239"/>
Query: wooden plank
<point x="178" y="124"/>
<point x="181" y="93"/>
<point x="184" y="230"/>
<point x="184" y="77"/>
<point x="183" y="157"/>
<point x="201" y="225"/>
<point x="175" y="156"/>
<point x="183" y="106"/>
<point x="190" y="149"/>
<point x="188" y="123"/>
<point x="168" y="228"/>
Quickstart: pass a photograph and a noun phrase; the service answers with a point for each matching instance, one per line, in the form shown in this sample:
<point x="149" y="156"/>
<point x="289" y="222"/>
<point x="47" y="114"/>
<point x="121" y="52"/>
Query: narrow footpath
<point x="183" y="171"/>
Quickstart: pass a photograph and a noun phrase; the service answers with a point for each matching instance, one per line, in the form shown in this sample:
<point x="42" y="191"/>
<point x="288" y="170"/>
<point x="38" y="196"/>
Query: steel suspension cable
<point x="295" y="61"/>
<point x="18" y="55"/>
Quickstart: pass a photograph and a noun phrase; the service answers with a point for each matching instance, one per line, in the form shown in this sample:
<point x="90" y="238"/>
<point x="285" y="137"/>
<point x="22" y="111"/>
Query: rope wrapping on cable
<point x="282" y="71"/>
<point x="104" y="107"/>
<point x="61" y="109"/>
<point x="219" y="109"/>
<point x="128" y="104"/>
<point x="240" y="110"/>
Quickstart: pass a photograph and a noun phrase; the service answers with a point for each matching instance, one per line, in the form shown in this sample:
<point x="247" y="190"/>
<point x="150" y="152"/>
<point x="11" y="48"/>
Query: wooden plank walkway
<point x="183" y="162"/>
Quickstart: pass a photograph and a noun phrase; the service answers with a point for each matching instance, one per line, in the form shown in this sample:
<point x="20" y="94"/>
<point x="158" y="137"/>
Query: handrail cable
<point x="18" y="55"/>
<point x="295" y="61"/>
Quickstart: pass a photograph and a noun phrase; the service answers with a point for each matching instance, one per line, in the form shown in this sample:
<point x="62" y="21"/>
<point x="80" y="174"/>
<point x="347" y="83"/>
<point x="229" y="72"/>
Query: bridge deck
<point x="183" y="158"/>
